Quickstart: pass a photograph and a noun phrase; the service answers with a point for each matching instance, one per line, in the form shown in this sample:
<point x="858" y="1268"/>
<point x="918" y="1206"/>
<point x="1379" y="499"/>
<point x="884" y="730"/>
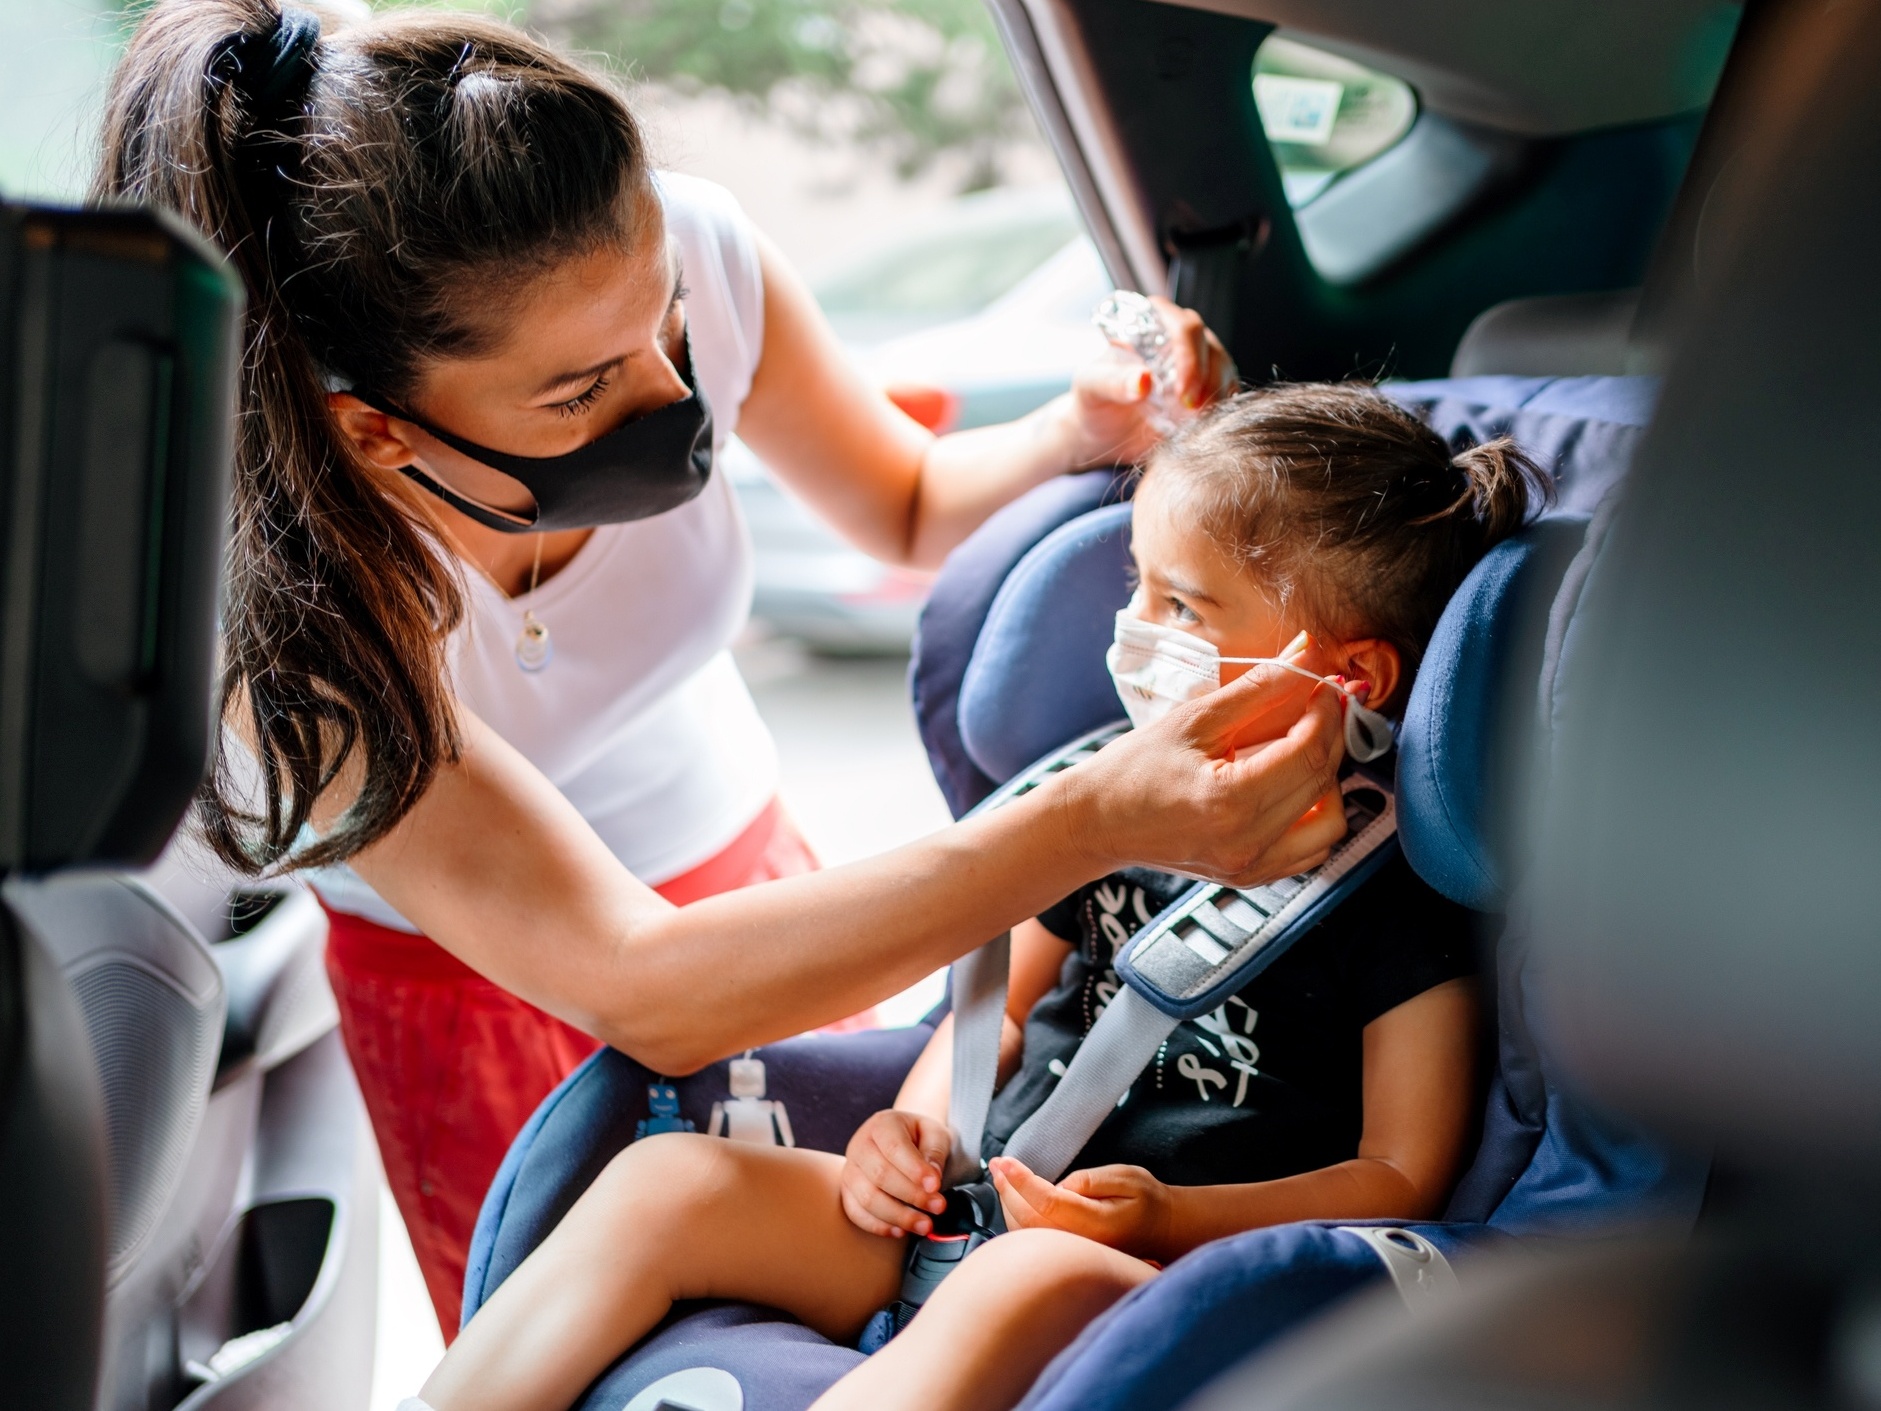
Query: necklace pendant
<point x="534" y="650"/>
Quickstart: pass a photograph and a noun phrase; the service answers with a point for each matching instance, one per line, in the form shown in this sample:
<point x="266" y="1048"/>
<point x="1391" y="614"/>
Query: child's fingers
<point x="867" y="1202"/>
<point x="890" y="1159"/>
<point x="866" y="1222"/>
<point x="1030" y="1200"/>
<point x="935" y="1142"/>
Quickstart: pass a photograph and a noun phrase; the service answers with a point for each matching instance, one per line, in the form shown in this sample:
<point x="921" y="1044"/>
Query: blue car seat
<point x="1008" y="665"/>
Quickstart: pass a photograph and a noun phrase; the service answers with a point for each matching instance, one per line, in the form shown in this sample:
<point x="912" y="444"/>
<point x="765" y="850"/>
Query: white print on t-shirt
<point x="1243" y="1052"/>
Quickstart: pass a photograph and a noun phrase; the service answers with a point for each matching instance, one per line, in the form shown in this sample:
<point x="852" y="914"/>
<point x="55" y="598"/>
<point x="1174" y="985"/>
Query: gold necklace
<point x="534" y="650"/>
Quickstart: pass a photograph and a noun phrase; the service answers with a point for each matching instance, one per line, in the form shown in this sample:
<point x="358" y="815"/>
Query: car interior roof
<point x="1541" y="68"/>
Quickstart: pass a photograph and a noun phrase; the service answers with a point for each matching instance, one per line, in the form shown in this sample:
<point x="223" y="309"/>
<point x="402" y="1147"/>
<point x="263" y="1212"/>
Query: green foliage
<point x="921" y="80"/>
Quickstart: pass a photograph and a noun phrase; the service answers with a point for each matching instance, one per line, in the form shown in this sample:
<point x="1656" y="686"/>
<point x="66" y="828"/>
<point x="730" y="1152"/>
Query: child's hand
<point x="892" y="1173"/>
<point x="1122" y="1206"/>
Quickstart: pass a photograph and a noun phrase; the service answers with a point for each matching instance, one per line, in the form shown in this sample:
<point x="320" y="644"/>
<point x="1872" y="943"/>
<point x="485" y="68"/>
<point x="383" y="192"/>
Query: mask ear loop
<point x="1368" y="735"/>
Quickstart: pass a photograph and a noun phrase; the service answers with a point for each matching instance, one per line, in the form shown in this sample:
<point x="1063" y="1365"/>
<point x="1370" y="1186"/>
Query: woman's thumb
<point x="1121" y="380"/>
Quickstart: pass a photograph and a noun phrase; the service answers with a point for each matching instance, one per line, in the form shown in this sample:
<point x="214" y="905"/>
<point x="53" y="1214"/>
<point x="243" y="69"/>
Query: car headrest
<point x="957" y="609"/>
<point x="116" y="423"/>
<point x="1472" y="708"/>
<point x="1560" y="334"/>
<point x="1037" y="676"/>
<point x="1707" y="891"/>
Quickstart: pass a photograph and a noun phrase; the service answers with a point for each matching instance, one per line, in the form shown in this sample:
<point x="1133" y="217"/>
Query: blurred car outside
<point x="977" y="314"/>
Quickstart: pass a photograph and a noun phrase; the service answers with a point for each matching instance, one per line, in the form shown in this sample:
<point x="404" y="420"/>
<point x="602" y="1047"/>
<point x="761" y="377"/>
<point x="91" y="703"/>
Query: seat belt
<point x="1208" y="944"/>
<point x="979" y="983"/>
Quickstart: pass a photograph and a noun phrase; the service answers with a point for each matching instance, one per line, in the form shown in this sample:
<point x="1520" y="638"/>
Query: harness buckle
<point x="972" y="1217"/>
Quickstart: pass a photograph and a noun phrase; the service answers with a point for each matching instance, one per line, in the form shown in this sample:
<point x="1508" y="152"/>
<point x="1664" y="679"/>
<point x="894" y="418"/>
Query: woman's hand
<point x="1122" y="1206"/>
<point x="892" y="1173"/>
<point x="1110" y="407"/>
<point x="1175" y="797"/>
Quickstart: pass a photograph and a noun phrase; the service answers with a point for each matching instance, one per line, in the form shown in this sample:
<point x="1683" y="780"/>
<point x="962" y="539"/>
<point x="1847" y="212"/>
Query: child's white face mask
<point x="1157" y="668"/>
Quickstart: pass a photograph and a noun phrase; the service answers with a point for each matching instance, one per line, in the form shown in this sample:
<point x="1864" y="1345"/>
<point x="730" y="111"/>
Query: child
<point x="1318" y="523"/>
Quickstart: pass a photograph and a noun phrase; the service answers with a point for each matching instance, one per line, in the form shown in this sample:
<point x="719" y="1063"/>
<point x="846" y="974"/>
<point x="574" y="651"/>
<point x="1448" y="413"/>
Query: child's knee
<point x="674" y="1172"/>
<point x="1047" y="1263"/>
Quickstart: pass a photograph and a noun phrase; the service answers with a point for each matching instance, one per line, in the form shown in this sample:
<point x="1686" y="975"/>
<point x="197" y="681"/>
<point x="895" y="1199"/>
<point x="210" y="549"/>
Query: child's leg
<point x="989" y="1330"/>
<point x="672" y="1217"/>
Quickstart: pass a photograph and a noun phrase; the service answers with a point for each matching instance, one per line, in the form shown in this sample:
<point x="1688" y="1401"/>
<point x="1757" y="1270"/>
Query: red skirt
<point x="452" y="1066"/>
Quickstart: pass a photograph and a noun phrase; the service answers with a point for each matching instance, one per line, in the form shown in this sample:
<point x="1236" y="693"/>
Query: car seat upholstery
<point x="1009" y="663"/>
<point x="829" y="1084"/>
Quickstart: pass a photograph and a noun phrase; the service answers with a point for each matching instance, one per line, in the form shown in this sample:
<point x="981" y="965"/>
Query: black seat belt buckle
<point x="972" y="1217"/>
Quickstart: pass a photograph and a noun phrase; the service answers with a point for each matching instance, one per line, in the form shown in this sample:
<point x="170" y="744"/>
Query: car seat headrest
<point x="1706" y="886"/>
<point x="1037" y="676"/>
<point x="1471" y="705"/>
<point x="1553" y="335"/>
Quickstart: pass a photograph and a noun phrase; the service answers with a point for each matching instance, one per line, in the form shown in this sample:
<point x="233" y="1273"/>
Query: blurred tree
<point x="924" y="81"/>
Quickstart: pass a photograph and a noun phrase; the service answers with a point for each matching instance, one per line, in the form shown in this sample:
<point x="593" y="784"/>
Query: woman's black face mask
<point x="643" y="467"/>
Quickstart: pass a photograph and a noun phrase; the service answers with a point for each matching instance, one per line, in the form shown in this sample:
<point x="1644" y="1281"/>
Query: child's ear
<point x="1377" y="661"/>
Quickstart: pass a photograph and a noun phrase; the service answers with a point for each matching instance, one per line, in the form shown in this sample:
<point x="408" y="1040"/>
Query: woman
<point x="483" y="581"/>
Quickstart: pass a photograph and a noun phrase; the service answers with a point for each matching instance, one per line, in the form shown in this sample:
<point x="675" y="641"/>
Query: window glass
<point x="1325" y="115"/>
<point x="952" y="264"/>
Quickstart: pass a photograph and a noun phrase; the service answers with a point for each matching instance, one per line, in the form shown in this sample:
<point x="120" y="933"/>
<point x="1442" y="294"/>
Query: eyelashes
<point x="580" y="404"/>
<point x="577" y="405"/>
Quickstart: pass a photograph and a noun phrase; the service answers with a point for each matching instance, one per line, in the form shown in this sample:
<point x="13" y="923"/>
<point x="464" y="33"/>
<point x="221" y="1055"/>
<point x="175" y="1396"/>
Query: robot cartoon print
<point x="747" y="1115"/>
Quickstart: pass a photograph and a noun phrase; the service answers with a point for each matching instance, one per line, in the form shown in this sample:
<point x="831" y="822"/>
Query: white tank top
<point x="641" y="718"/>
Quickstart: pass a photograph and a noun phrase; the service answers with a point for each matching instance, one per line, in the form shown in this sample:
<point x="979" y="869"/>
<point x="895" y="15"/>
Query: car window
<point x="1325" y="115"/>
<point x="954" y="263"/>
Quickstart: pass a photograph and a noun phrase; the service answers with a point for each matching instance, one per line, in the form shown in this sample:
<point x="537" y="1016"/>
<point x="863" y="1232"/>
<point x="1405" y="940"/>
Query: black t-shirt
<point x="1267" y="1085"/>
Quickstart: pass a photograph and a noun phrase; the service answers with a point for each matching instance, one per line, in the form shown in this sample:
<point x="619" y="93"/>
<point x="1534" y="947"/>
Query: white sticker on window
<point x="1299" y="110"/>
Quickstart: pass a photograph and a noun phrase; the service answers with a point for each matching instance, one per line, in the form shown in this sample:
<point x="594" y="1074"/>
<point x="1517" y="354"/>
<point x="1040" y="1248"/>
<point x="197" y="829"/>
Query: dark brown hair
<point x="1349" y="508"/>
<point x="380" y="189"/>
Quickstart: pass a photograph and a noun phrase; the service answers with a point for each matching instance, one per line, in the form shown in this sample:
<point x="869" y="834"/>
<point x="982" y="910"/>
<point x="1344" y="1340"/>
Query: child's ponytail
<point x="368" y="184"/>
<point x="1502" y="487"/>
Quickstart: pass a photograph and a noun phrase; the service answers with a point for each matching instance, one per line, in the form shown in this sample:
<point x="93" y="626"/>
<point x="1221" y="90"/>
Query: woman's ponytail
<point x="364" y="191"/>
<point x="1502" y="488"/>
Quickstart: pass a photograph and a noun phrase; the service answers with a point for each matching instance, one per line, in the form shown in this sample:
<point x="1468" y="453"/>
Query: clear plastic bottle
<point x="1129" y="320"/>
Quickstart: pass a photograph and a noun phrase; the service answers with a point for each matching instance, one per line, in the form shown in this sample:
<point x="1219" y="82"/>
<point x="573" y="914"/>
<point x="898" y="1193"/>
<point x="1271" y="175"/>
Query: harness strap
<point x="979" y="1015"/>
<point x="1120" y="1045"/>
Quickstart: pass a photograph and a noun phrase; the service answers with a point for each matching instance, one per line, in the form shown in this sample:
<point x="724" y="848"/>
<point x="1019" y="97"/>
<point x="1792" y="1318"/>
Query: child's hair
<point x="1352" y="512"/>
<point x="386" y="189"/>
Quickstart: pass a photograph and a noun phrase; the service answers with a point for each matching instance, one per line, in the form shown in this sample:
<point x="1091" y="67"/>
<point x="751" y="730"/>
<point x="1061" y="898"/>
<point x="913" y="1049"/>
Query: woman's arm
<point x="893" y="488"/>
<point x="498" y="868"/>
<point x="1419" y="1059"/>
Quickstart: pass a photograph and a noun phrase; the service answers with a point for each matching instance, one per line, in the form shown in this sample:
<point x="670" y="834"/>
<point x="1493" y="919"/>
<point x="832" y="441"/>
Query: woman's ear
<point x="1371" y="659"/>
<point x="371" y="432"/>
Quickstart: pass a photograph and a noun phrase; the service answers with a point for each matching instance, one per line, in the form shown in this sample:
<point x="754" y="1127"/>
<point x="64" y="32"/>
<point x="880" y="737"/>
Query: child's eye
<point x="1181" y="611"/>
<point x="576" y="405"/>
